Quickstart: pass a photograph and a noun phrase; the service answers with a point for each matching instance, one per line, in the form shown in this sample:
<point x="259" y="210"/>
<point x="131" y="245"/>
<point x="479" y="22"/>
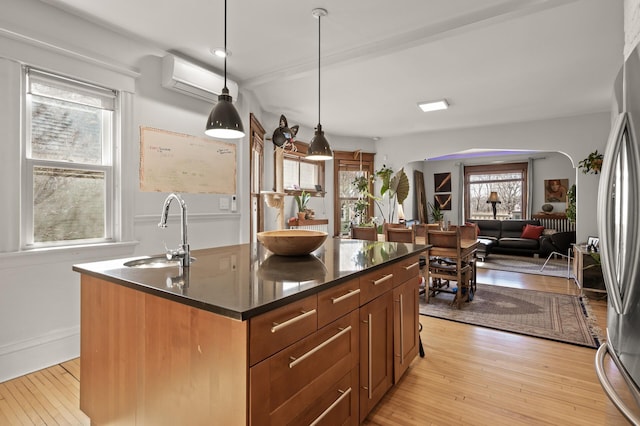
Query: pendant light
<point x="224" y="121"/>
<point x="319" y="148"/>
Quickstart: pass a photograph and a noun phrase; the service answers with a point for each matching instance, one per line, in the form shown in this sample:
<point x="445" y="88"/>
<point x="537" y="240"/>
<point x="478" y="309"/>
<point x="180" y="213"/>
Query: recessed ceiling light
<point x="221" y="53"/>
<point x="433" y="105"/>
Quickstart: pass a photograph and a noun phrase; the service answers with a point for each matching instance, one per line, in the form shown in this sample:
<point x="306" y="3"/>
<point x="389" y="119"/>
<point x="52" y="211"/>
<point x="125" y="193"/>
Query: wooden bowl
<point x="292" y="242"/>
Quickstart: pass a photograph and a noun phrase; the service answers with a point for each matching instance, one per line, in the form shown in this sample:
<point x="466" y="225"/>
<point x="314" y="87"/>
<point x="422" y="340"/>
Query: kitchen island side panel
<point x="176" y="364"/>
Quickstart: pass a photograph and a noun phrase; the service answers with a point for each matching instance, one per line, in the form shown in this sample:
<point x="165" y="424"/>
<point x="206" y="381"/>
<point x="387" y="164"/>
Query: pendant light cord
<point x="225" y="44"/>
<point x="319" y="18"/>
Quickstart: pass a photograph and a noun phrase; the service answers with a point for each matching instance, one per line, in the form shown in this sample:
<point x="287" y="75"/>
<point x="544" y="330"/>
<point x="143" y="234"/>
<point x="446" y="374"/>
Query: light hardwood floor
<point x="469" y="376"/>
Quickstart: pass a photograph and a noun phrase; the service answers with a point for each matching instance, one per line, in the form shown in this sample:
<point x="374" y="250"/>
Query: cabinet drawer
<point x="277" y="329"/>
<point x="375" y="283"/>
<point x="288" y="384"/>
<point x="338" y="301"/>
<point x="405" y="269"/>
<point x="338" y="405"/>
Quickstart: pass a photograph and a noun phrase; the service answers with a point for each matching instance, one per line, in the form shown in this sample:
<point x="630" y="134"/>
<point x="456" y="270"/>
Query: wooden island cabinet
<point x="266" y="352"/>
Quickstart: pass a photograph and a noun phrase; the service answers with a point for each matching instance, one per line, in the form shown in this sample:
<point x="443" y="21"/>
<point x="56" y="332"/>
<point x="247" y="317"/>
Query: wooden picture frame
<point x="442" y="182"/>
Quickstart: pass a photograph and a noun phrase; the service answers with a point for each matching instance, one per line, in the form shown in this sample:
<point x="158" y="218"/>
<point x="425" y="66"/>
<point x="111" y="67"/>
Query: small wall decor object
<point x="547" y="208"/>
<point x="284" y="135"/>
<point x="442" y="182"/>
<point x="555" y="190"/>
<point x="592" y="164"/>
<point x="443" y="201"/>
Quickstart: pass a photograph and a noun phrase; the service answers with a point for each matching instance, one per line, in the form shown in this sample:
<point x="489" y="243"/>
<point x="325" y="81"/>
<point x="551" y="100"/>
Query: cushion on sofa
<point x="532" y="232"/>
<point x="513" y="228"/>
<point x="518" y="243"/>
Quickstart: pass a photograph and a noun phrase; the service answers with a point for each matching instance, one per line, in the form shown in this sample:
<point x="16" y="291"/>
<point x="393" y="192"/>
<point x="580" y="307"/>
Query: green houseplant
<point x="395" y="186"/>
<point x="301" y="201"/>
<point x="592" y="164"/>
<point x="571" y="204"/>
<point x="436" y="213"/>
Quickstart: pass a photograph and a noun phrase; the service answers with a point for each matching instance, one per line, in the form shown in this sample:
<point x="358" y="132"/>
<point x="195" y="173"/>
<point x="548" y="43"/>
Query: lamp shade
<point x="224" y="121"/>
<point x="493" y="197"/>
<point x="319" y="148"/>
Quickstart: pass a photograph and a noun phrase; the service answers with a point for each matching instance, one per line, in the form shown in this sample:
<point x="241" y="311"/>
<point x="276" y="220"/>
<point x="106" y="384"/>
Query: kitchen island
<point x="243" y="337"/>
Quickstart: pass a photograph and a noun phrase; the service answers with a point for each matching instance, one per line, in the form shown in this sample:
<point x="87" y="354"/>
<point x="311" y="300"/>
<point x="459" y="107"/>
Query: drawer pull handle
<point x="295" y="361"/>
<point x="369" y="356"/>
<point x="383" y="279"/>
<point x="401" y="331"/>
<point x="345" y="296"/>
<point x="413" y="265"/>
<point x="332" y="406"/>
<point x="303" y="315"/>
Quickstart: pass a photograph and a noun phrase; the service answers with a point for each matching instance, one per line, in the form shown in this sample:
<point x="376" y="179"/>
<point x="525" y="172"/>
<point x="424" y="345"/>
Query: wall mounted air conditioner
<point x="193" y="80"/>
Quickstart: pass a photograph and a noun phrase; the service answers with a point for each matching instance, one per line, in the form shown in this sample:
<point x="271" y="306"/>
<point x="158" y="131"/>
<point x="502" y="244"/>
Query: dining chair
<point x="369" y="233"/>
<point x="448" y="266"/>
<point x="400" y="235"/>
<point x="468" y="232"/>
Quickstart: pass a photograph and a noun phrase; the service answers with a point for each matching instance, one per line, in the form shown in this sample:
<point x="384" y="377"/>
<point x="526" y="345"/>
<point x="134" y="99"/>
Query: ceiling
<point x="495" y="61"/>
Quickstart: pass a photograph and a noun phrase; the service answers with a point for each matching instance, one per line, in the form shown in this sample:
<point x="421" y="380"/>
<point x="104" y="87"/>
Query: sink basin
<point x="153" y="262"/>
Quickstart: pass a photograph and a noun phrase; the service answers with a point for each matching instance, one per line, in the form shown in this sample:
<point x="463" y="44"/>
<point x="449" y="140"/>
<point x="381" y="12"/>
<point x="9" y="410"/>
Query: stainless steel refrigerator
<point x="619" y="232"/>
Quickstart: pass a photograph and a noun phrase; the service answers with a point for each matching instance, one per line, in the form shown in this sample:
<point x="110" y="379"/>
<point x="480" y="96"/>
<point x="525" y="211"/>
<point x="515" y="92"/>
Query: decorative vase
<point x="547" y="208"/>
<point x="302" y="215"/>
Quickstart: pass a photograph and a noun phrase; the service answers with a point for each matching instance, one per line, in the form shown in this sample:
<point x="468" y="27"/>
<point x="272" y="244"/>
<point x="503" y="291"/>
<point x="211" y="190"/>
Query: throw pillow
<point x="532" y="232"/>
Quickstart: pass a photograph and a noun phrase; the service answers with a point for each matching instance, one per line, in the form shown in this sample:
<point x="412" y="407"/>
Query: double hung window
<point x="68" y="195"/>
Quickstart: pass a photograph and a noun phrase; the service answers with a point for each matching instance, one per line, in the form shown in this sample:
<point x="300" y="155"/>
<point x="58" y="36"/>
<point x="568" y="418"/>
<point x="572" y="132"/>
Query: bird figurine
<point x="283" y="136"/>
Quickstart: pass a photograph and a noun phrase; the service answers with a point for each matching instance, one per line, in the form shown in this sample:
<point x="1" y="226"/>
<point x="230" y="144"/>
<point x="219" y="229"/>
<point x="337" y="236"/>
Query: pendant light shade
<point x="319" y="148"/>
<point x="224" y="121"/>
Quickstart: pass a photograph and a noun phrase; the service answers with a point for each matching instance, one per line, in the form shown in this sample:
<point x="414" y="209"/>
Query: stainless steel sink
<point x="154" y="262"/>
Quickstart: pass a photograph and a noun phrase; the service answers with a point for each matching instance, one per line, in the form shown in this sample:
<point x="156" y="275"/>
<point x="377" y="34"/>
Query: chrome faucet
<point x="181" y="252"/>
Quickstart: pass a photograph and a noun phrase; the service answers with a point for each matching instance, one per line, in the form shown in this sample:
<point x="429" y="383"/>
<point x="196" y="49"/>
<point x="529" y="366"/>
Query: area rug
<point x="558" y="317"/>
<point x="525" y="265"/>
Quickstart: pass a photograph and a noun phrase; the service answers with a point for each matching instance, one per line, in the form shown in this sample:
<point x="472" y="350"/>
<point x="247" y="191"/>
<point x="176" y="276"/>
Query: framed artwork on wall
<point x="555" y="190"/>
<point x="443" y="201"/>
<point x="442" y="182"/>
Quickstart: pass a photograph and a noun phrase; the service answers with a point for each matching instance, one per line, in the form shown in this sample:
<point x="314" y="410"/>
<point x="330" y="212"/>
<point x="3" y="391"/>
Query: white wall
<point x="39" y="306"/>
<point x="574" y="137"/>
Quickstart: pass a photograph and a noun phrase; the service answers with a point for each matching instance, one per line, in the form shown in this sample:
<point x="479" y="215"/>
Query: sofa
<point x="506" y="236"/>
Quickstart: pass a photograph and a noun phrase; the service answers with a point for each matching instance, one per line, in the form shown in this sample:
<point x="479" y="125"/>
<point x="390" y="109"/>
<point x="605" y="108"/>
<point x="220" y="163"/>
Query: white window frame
<point x="30" y="164"/>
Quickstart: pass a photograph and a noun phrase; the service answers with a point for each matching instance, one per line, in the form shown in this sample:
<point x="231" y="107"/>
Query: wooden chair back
<point x="369" y="233"/>
<point x="400" y="235"/>
<point x="420" y="229"/>
<point x="467" y="232"/>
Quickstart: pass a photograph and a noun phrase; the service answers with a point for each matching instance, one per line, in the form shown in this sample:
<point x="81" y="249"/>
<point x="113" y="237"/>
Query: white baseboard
<point x="27" y="356"/>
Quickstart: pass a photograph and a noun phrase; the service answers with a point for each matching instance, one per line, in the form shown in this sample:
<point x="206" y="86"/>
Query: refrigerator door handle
<point x="608" y="387"/>
<point x="605" y="219"/>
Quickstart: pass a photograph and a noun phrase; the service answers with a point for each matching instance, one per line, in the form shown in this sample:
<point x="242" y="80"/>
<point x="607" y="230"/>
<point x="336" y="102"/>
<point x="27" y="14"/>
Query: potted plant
<point x="592" y="164"/>
<point x="571" y="204"/>
<point x="436" y="214"/>
<point x="396" y="186"/>
<point x="301" y="201"/>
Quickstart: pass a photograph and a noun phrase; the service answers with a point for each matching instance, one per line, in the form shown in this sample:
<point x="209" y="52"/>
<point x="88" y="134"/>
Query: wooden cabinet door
<point x="405" y="323"/>
<point x="376" y="351"/>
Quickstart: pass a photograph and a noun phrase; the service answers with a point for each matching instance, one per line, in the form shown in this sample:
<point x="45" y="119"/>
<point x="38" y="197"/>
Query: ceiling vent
<point x="193" y="80"/>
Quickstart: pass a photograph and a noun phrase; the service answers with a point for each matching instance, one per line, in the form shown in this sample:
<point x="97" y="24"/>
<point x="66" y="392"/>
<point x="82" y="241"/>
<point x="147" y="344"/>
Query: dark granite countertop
<point x="245" y="280"/>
